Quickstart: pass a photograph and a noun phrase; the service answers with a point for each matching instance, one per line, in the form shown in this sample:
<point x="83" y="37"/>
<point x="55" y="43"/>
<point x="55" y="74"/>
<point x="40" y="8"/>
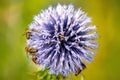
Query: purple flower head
<point x="62" y="39"/>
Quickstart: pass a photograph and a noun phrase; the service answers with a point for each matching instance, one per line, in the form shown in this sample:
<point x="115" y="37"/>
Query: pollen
<point x="61" y="37"/>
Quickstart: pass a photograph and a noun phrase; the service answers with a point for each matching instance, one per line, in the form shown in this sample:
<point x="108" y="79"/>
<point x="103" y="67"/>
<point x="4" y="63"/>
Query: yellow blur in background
<point x="15" y="15"/>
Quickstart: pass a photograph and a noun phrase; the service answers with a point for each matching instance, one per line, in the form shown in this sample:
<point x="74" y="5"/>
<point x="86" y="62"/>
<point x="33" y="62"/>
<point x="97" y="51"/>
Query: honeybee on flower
<point x="61" y="37"/>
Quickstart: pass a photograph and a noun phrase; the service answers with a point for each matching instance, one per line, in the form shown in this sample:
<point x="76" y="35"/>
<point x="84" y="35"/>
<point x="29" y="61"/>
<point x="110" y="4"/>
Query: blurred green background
<point x="15" y="15"/>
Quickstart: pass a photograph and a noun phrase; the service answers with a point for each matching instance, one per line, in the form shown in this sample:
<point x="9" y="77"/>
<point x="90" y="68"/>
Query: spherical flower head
<point x="61" y="39"/>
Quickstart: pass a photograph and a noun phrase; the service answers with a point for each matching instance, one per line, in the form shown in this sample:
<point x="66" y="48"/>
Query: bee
<point x="79" y="70"/>
<point x="31" y="51"/>
<point x="28" y="33"/>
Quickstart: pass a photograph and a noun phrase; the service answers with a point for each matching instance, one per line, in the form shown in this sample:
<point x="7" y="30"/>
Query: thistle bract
<point x="63" y="39"/>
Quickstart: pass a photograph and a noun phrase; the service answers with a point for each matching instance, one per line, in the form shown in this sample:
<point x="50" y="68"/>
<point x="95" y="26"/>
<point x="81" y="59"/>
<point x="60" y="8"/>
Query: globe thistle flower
<point x="61" y="39"/>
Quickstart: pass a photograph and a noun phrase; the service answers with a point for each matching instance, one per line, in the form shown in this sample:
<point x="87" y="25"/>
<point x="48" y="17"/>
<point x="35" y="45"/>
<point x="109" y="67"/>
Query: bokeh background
<point x="15" y="15"/>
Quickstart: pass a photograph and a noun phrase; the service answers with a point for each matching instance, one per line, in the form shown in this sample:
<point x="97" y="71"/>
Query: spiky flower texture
<point x="61" y="39"/>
